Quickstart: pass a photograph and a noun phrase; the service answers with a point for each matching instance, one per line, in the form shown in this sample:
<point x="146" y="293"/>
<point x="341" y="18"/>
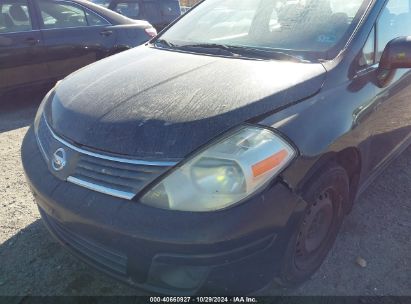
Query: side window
<point x="14" y="16"/>
<point x="368" y="52"/>
<point x="128" y="9"/>
<point x="94" y="19"/>
<point x="169" y="8"/>
<point x="151" y="11"/>
<point x="61" y="15"/>
<point x="47" y="19"/>
<point x="394" y="21"/>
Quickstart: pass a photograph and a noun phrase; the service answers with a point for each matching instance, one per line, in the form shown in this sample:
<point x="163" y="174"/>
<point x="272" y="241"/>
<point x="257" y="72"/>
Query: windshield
<point x="307" y="29"/>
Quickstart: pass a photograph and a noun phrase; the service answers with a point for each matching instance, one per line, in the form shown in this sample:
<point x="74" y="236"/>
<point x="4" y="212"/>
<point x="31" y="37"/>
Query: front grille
<point x="116" y="176"/>
<point x="92" y="251"/>
<point x="128" y="178"/>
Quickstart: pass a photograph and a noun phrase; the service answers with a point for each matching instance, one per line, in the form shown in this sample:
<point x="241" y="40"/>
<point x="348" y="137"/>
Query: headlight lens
<point x="224" y="173"/>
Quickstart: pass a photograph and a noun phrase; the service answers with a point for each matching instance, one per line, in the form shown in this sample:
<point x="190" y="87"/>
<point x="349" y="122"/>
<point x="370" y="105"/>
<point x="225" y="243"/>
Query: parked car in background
<point x="42" y="41"/>
<point x="159" y="13"/>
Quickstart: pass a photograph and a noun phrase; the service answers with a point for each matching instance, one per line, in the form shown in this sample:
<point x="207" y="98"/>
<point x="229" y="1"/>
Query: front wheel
<point x="318" y="228"/>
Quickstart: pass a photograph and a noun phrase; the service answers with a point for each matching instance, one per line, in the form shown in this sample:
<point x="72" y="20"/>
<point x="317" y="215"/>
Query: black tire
<point x="318" y="229"/>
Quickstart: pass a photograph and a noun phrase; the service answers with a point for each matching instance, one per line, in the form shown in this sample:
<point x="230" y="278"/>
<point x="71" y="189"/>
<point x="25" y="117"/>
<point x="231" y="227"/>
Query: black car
<point x="160" y="13"/>
<point x="225" y="154"/>
<point x="42" y="41"/>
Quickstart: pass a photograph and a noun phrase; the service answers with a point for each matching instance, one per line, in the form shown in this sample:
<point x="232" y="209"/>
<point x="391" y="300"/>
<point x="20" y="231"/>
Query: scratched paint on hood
<point x="150" y="103"/>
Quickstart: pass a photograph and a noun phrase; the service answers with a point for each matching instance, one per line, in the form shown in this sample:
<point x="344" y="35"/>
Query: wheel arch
<point x="349" y="159"/>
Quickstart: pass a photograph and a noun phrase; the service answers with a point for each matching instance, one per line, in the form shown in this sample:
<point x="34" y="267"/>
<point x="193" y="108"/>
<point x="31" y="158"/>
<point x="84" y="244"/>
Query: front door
<point x="74" y="36"/>
<point x="393" y="104"/>
<point x="22" y="53"/>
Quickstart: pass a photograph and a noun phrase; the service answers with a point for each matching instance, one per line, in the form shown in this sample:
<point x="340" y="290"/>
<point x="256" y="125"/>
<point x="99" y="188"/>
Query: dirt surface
<point x="32" y="263"/>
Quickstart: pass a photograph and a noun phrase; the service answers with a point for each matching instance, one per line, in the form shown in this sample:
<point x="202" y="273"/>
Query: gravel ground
<point x="32" y="263"/>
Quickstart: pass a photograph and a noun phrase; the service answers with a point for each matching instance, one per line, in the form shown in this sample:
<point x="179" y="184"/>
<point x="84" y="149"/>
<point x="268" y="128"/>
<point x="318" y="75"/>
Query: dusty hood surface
<point x="158" y="104"/>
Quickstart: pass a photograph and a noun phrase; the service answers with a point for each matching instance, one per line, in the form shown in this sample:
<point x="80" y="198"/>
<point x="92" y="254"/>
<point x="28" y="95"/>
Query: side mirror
<point x="396" y="55"/>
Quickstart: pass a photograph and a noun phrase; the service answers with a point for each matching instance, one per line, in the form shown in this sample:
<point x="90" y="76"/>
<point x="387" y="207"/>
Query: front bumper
<point x="237" y="250"/>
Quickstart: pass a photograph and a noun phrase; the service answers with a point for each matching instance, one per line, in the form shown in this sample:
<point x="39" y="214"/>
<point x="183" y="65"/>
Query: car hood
<point x="159" y="104"/>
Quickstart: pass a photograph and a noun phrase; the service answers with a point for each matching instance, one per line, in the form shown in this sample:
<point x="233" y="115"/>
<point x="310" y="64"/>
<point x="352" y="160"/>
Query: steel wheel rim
<point x="315" y="229"/>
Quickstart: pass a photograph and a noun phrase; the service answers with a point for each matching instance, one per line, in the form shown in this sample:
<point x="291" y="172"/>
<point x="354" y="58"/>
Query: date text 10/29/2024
<point x="203" y="300"/>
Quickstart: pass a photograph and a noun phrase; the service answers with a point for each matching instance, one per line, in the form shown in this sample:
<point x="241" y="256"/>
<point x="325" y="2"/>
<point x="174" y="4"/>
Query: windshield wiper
<point x="246" y="51"/>
<point x="266" y="53"/>
<point x="234" y="50"/>
<point x="221" y="49"/>
<point x="163" y="42"/>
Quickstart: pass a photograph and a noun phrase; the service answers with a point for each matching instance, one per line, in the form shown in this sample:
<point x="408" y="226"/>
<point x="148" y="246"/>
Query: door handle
<point x="31" y="41"/>
<point x="106" y="33"/>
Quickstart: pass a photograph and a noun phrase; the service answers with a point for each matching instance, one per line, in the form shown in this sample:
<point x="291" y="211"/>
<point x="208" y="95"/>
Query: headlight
<point x="224" y="173"/>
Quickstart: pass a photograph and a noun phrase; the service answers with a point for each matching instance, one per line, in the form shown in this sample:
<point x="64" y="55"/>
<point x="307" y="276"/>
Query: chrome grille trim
<point x="44" y="143"/>
<point x="101" y="189"/>
<point x="42" y="149"/>
<point x="119" y="177"/>
<point x="110" y="158"/>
